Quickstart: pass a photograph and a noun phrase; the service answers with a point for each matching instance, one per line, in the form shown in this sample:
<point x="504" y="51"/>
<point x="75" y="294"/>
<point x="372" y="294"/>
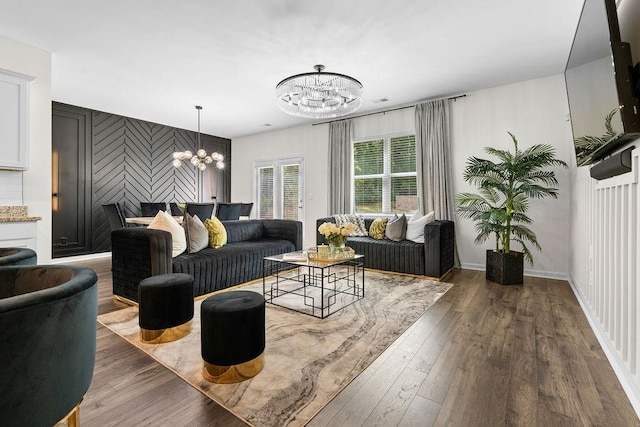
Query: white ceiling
<point x="156" y="59"/>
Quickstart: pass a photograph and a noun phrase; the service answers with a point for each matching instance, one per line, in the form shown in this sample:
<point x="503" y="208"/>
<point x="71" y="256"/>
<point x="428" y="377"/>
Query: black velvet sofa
<point x="138" y="253"/>
<point x="433" y="258"/>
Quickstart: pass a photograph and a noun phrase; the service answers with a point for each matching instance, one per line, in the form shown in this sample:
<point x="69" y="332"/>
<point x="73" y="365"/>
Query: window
<point x="291" y="191"/>
<point x="384" y="175"/>
<point x="279" y="189"/>
<point x="265" y="192"/>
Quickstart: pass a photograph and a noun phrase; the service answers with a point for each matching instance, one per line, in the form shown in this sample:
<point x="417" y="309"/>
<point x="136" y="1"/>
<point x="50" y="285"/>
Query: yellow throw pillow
<point x="377" y="227"/>
<point x="217" y="232"/>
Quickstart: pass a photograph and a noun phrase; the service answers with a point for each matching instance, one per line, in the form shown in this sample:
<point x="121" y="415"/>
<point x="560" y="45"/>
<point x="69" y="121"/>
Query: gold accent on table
<point x="315" y="255"/>
<point x="72" y="419"/>
<point x="234" y="373"/>
<point x="159" y="336"/>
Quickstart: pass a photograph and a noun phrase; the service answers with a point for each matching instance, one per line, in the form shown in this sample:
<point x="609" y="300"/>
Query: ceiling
<point x="156" y="59"/>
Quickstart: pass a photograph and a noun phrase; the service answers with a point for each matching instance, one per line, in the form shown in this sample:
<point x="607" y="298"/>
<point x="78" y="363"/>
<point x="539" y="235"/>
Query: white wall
<point x="393" y="122"/>
<point x="309" y="142"/>
<point x="10" y="188"/>
<point x="535" y="111"/>
<point x="36" y="181"/>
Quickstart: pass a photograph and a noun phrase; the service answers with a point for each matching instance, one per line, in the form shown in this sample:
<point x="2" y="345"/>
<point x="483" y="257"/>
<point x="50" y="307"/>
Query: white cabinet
<point x="20" y="234"/>
<point x="14" y="120"/>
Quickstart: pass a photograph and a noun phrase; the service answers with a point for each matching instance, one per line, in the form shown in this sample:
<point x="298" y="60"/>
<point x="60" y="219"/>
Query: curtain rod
<point x="453" y="98"/>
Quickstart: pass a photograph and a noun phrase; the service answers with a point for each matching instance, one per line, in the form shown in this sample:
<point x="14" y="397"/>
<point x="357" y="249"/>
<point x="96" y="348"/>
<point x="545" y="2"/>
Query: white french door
<point x="279" y="188"/>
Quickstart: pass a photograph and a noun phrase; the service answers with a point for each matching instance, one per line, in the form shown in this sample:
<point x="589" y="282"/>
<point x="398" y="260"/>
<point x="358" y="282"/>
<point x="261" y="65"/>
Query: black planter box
<point x="505" y="269"/>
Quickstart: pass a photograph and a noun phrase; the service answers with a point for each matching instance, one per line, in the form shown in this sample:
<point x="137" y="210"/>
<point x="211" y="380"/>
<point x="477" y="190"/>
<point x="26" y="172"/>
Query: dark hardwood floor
<point x="130" y="388"/>
<point x="484" y="355"/>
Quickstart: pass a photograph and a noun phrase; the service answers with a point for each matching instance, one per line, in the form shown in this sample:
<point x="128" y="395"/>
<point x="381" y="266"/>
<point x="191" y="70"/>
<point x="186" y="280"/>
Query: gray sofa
<point x="433" y="258"/>
<point x="138" y="253"/>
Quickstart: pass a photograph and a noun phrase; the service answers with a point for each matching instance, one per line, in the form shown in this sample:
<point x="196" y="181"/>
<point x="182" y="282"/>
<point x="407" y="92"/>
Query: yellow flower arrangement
<point x="336" y="235"/>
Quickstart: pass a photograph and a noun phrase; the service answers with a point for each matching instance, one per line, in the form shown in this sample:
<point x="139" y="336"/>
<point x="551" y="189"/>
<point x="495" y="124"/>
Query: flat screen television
<point x="601" y="87"/>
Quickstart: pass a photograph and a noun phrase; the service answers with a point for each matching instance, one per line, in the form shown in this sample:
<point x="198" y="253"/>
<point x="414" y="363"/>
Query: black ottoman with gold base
<point x="233" y="336"/>
<point x="165" y="307"/>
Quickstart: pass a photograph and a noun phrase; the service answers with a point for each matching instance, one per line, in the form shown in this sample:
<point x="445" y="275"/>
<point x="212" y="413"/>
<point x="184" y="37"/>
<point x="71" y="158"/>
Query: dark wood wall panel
<point x="109" y="170"/>
<point x="184" y="182"/>
<point x="71" y="169"/>
<point x="133" y="158"/>
<point x="131" y="163"/>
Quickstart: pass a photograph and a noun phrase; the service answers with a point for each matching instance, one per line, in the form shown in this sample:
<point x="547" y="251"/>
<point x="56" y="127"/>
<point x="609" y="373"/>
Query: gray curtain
<point x="435" y="183"/>
<point x="339" y="167"/>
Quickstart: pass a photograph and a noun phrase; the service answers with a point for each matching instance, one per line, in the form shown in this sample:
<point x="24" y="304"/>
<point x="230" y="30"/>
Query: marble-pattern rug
<point x="307" y="360"/>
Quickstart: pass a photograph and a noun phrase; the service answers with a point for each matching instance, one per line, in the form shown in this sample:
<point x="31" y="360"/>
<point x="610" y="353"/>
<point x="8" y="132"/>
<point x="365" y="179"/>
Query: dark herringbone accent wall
<point x="132" y="163"/>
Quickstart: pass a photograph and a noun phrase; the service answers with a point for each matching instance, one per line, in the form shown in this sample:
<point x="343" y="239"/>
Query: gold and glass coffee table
<point x="315" y="287"/>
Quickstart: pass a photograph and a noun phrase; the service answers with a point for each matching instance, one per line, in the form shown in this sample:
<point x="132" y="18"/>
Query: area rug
<point x="307" y="360"/>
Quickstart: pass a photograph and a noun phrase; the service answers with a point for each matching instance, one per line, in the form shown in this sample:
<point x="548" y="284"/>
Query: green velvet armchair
<point x="47" y="342"/>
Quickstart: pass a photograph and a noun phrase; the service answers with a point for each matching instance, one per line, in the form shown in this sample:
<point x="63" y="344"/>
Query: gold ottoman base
<point x="159" y="336"/>
<point x="234" y="373"/>
<point x="72" y="419"/>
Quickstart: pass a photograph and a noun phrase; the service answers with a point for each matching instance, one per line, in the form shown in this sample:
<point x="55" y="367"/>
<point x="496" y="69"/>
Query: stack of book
<point x="300" y="256"/>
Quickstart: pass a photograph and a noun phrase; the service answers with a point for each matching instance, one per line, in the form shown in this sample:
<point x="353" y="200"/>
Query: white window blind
<point x="265" y="192"/>
<point x="384" y="173"/>
<point x="290" y="191"/>
<point x="279" y="188"/>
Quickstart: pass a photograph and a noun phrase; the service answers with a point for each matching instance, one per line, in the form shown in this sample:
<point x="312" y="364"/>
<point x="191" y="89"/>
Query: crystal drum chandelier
<point x="201" y="159"/>
<point x="319" y="95"/>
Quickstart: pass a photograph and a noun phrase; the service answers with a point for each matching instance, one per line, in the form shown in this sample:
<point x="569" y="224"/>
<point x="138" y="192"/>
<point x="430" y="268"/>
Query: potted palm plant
<point x="500" y="206"/>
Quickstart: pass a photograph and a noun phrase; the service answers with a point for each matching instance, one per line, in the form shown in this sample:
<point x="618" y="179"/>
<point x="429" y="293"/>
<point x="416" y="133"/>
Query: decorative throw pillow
<point x="195" y="232"/>
<point x="357" y="220"/>
<point x="415" y="226"/>
<point x="164" y="221"/>
<point x="376" y="230"/>
<point x="217" y="232"/>
<point x="396" y="229"/>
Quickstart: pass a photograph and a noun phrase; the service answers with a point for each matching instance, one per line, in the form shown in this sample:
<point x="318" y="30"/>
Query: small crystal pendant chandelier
<point x="201" y="159"/>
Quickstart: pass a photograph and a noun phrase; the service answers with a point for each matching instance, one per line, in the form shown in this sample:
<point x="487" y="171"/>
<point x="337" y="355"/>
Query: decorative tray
<point x="327" y="256"/>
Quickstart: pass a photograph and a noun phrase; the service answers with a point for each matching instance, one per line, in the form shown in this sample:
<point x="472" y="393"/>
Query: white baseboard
<point x="469" y="266"/>
<point x="88" y="257"/>
<point x="533" y="273"/>
<point x="546" y="274"/>
<point x="630" y="386"/>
